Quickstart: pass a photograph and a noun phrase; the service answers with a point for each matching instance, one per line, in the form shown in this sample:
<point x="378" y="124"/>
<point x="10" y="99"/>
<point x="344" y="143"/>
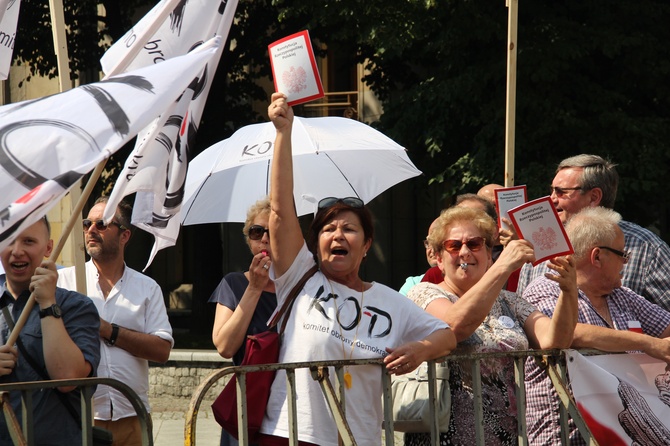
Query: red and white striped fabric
<point x="624" y="398"/>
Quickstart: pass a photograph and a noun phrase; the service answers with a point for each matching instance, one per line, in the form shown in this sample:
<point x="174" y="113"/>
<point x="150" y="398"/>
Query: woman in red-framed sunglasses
<point x="486" y="318"/>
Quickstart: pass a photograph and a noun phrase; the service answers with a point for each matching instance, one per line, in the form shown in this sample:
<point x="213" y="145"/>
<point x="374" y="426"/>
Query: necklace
<point x="348" y="381"/>
<point x="605" y="314"/>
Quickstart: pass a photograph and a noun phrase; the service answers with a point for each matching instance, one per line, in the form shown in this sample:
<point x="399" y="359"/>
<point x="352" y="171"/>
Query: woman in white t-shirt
<point x="337" y="315"/>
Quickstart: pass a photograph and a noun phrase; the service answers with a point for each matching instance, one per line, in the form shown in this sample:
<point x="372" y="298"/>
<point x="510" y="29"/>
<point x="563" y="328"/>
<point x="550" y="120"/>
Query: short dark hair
<point x="123" y="212"/>
<point x="325" y="215"/>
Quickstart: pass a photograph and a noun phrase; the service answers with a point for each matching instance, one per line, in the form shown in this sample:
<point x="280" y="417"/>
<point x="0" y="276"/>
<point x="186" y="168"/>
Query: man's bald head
<point x="488" y="192"/>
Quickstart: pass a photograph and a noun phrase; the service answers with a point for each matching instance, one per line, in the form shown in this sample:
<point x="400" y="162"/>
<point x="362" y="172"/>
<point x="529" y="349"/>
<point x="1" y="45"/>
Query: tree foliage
<point x="86" y="30"/>
<point x="591" y="78"/>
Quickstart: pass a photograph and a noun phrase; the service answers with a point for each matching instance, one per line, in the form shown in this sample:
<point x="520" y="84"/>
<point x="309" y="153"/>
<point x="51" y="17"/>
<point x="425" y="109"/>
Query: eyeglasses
<point x="426" y="244"/>
<point x="454" y="246"/>
<point x="623" y="254"/>
<point x="560" y="191"/>
<point x="352" y="202"/>
<point x="256" y="232"/>
<point x="100" y="225"/>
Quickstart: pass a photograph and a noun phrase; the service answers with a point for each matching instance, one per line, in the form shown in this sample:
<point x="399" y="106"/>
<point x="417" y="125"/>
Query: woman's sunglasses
<point x="352" y="202"/>
<point x="256" y="232"/>
<point x="100" y="225"/>
<point x="473" y="244"/>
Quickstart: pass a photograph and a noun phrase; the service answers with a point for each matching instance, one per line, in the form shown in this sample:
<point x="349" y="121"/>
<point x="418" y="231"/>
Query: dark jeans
<point x="227" y="439"/>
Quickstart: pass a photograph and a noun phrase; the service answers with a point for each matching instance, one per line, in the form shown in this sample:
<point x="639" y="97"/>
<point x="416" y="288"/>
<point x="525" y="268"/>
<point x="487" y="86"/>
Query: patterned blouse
<point x="502" y="330"/>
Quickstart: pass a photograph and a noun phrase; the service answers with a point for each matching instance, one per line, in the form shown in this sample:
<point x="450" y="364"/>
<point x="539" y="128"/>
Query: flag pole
<point x="65" y="84"/>
<point x="21" y="321"/>
<point x="510" y="106"/>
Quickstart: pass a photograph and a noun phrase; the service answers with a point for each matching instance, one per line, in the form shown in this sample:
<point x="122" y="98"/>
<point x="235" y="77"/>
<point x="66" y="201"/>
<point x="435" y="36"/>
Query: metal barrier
<point x="552" y="360"/>
<point x="24" y="435"/>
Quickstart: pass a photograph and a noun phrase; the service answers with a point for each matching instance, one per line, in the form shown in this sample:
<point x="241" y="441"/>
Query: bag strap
<point x="288" y="303"/>
<point x="41" y="371"/>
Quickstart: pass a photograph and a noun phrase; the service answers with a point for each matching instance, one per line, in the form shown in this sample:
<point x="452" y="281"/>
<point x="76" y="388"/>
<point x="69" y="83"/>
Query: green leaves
<point x="591" y="77"/>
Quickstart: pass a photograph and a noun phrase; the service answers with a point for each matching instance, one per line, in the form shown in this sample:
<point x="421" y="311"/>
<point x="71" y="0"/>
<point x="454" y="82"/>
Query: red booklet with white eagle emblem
<point x="537" y="221"/>
<point x="294" y="68"/>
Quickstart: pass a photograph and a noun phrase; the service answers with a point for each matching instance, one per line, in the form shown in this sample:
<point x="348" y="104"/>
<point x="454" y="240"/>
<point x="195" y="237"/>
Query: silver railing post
<point x="26" y="434"/>
<point x="519" y="380"/>
<point x="335" y="397"/>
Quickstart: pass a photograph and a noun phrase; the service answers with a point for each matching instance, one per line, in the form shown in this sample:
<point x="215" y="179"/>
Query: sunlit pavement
<point x="169" y="428"/>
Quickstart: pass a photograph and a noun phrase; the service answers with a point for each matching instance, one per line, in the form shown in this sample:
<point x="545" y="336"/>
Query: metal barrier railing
<point x="24" y="433"/>
<point x="552" y="360"/>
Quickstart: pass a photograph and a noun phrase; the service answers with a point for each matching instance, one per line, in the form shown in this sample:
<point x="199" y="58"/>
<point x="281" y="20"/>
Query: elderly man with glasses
<point x="134" y="325"/>
<point x="584" y="181"/>
<point x="610" y="314"/>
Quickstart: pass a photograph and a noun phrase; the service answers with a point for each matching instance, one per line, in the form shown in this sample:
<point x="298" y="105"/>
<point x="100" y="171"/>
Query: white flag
<point x="171" y="28"/>
<point x="9" y="18"/>
<point x="48" y="144"/>
<point x="624" y="398"/>
<point x="156" y="170"/>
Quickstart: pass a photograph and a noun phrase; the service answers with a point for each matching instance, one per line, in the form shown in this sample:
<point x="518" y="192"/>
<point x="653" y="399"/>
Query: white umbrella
<point x="332" y="157"/>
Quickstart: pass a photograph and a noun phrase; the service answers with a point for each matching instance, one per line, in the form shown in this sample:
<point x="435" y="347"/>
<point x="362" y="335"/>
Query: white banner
<point x="157" y="168"/>
<point x="171" y="28"/>
<point x="48" y="144"/>
<point x="624" y="398"/>
<point x="9" y="18"/>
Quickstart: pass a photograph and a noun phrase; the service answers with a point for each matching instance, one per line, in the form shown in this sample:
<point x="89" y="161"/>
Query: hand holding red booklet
<point x="294" y="68"/>
<point x="537" y="221"/>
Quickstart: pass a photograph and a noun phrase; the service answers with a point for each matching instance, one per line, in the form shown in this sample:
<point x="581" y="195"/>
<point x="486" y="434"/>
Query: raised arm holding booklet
<point x="537" y="221"/>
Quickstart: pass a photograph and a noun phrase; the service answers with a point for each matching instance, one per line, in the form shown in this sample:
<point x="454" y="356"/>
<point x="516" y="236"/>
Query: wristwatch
<point x="115" y="334"/>
<point x="53" y="310"/>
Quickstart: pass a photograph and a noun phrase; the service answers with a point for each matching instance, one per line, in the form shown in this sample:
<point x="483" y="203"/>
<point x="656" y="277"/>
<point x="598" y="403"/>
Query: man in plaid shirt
<point x="588" y="181"/>
<point x="607" y="313"/>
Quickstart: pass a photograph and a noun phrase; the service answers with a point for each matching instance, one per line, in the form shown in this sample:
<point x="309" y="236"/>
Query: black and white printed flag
<point x="48" y="144"/>
<point x="156" y="169"/>
<point x="9" y="18"/>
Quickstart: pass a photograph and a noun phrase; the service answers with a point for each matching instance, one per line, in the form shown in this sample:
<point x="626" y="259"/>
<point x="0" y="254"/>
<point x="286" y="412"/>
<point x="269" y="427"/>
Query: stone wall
<point x="171" y="385"/>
